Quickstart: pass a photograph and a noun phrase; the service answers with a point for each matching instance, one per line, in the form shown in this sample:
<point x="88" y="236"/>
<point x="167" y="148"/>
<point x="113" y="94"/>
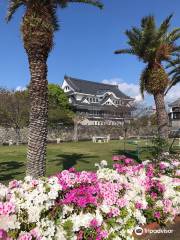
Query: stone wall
<point x="175" y="124"/>
<point x="84" y="133"/>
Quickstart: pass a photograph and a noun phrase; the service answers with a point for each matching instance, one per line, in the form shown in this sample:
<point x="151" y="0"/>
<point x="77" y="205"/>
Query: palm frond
<point x="172" y="37"/>
<point x="174" y="32"/>
<point x="147" y="21"/>
<point x="122" y="51"/>
<point x="173" y="82"/>
<point x="172" y="63"/>
<point x="143" y="82"/>
<point x="174" y="72"/>
<point x="142" y="87"/>
<point x="13" y="6"/>
<point x="164" y="26"/>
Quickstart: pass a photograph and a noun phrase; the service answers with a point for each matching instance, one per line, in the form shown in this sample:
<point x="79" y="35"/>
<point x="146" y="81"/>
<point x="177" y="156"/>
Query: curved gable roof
<point x="175" y="103"/>
<point x="94" y="88"/>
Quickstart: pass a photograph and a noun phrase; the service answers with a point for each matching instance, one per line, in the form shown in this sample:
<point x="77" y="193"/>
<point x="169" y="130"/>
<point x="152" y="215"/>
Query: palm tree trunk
<point x="162" y="117"/>
<point x="37" y="139"/>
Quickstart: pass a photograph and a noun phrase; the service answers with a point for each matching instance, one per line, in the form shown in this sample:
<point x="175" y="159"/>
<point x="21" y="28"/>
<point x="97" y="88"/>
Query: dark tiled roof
<point x="94" y="88"/>
<point x="175" y="103"/>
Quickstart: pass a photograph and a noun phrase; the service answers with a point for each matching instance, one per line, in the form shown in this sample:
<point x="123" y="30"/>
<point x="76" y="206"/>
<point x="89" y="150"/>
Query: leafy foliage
<point x="160" y="145"/>
<point x="14" y="108"/>
<point x="152" y="45"/>
<point x="15" y="4"/>
<point x="174" y="72"/>
<point x="59" y="108"/>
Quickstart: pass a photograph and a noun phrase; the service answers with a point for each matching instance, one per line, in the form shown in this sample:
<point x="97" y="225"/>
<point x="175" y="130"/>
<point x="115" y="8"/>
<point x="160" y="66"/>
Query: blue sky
<point x="85" y="43"/>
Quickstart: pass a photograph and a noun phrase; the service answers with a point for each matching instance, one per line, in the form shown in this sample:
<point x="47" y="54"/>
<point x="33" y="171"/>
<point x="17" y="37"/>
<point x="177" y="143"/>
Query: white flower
<point x="46" y="228"/>
<point x="104" y="163"/>
<point x="60" y="234"/>
<point x="159" y="203"/>
<point x="110" y="175"/>
<point x="9" y="222"/>
<point x="99" y="217"/>
<point x="3" y="191"/>
<point x="139" y="216"/>
<point x="28" y="179"/>
<point x="81" y="220"/>
<point x="105" y="208"/>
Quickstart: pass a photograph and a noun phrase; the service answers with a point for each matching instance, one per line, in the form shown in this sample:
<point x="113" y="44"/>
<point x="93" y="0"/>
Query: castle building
<point x="98" y="103"/>
<point x="174" y="114"/>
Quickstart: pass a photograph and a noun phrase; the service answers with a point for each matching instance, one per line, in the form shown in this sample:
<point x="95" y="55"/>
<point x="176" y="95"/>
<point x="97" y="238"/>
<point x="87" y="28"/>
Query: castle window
<point x="67" y="88"/>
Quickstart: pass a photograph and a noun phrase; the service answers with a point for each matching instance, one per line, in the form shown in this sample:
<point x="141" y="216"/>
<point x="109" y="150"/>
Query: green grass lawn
<point x="81" y="155"/>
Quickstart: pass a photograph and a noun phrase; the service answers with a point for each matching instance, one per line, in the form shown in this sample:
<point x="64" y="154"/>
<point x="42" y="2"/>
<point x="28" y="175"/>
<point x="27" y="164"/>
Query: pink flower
<point x="1" y="208"/>
<point x="128" y="160"/>
<point x="167" y="205"/>
<point x="13" y="184"/>
<point x="80" y="235"/>
<point x="34" y="182"/>
<point x="25" y="236"/>
<point x="3" y="234"/>
<point x="7" y="208"/>
<point x="82" y="196"/>
<point x="176" y="163"/>
<point x="118" y="157"/>
<point x="110" y="192"/>
<point x="157" y="215"/>
<point x="34" y="232"/>
<point x="101" y="234"/>
<point x="161" y="187"/>
<point x="115" y="212"/>
<point x="94" y="223"/>
<point x="122" y="202"/>
<point x="104" y="234"/>
<point x="139" y="205"/>
<point x="162" y="166"/>
<point x="154" y="195"/>
<point x="115" y="158"/>
<point x="73" y="170"/>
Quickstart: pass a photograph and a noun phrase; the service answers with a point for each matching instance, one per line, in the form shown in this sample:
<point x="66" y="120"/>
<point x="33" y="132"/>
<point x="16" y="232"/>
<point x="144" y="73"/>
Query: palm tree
<point x="174" y="72"/>
<point x="153" y="45"/>
<point x="38" y="26"/>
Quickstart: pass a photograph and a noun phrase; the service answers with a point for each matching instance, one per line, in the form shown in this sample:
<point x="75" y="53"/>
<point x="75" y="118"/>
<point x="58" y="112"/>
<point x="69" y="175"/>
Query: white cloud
<point x="20" y="88"/>
<point x="129" y="89"/>
<point x="132" y="90"/>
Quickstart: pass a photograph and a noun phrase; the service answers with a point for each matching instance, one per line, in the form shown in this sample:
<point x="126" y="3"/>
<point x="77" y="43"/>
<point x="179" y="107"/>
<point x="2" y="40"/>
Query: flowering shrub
<point x="107" y="204"/>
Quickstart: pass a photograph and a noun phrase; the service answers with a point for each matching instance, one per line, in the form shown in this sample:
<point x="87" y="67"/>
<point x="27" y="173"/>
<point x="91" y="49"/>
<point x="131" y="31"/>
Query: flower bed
<point x="106" y="204"/>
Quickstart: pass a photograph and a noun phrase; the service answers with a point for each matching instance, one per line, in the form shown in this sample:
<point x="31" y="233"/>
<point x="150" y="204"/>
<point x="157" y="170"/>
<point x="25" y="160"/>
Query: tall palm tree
<point x="153" y="45"/>
<point x="174" y="72"/>
<point x="38" y="26"/>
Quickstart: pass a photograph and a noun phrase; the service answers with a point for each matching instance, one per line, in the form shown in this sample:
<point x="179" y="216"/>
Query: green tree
<point x="39" y="24"/>
<point x="153" y="45"/>
<point x="174" y="72"/>
<point x="14" y="110"/>
<point x="60" y="111"/>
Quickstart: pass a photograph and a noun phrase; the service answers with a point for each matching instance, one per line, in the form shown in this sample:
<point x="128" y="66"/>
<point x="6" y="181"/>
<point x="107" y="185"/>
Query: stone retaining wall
<point x="84" y="133"/>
